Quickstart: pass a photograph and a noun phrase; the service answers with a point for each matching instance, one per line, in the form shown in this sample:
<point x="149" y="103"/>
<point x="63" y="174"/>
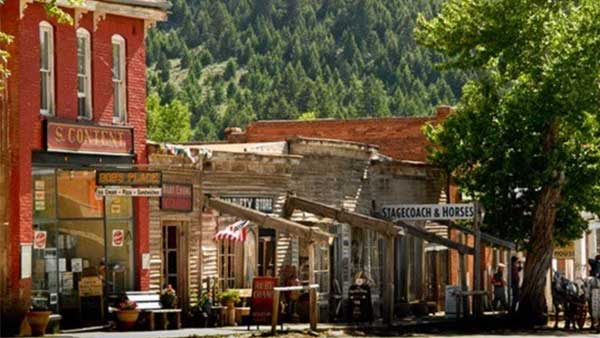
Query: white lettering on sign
<point x="129" y="192"/>
<point x="429" y="211"/>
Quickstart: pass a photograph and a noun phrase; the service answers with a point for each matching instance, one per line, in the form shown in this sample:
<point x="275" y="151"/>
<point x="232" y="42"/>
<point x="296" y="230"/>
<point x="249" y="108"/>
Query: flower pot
<point x="38" y="320"/>
<point x="127" y="318"/>
<point x="229" y="303"/>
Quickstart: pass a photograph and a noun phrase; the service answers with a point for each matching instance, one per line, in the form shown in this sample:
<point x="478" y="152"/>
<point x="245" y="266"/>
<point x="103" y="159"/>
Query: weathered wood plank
<point x="268" y="221"/>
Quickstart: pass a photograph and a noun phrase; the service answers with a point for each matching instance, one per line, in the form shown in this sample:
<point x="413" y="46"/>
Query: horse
<point x="568" y="297"/>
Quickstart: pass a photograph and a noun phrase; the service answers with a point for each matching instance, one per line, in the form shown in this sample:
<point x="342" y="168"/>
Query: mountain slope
<point x="235" y="61"/>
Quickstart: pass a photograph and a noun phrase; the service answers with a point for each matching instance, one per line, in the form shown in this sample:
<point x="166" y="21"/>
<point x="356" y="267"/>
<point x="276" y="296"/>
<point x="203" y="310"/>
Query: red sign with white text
<point x="177" y="197"/>
<point x="118" y="237"/>
<point x="262" y="299"/>
<point x="39" y="239"/>
<point x="88" y="139"/>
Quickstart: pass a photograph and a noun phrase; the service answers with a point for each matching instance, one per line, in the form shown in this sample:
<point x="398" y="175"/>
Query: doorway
<point x="170" y="253"/>
<point x="266" y="253"/>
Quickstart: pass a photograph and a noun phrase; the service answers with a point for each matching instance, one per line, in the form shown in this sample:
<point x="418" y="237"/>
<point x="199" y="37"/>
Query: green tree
<point x="169" y="122"/>
<point x="230" y="69"/>
<point x="525" y="137"/>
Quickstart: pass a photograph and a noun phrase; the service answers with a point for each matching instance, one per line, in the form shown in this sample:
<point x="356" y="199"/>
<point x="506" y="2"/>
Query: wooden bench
<point x="149" y="303"/>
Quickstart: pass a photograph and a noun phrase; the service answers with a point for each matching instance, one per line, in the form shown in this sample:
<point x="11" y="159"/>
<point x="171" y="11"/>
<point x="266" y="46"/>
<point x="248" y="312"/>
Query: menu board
<point x="90" y="287"/>
<point x="262" y="299"/>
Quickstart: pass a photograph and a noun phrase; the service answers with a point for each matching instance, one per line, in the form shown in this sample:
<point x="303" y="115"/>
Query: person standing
<point x="515" y="282"/>
<point x="499" y="288"/>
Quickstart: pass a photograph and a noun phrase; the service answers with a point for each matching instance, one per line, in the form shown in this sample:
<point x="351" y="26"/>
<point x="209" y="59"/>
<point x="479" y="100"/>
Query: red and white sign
<point x="88" y="139"/>
<point x="262" y="299"/>
<point x="118" y="237"/>
<point x="39" y="239"/>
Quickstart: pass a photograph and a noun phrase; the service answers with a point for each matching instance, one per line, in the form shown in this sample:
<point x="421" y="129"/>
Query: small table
<point x="241" y="312"/>
<point x="462" y="295"/>
<point x="312" y="291"/>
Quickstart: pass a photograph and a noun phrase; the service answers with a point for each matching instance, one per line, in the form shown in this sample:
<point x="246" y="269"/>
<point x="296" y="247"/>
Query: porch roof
<point x="267" y="220"/>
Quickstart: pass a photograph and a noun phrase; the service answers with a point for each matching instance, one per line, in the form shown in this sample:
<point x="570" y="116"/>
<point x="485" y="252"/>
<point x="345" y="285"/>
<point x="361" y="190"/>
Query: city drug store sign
<point x="67" y="137"/>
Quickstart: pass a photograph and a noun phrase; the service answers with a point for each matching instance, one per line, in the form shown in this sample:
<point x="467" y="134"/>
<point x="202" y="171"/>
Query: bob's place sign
<point x="429" y="211"/>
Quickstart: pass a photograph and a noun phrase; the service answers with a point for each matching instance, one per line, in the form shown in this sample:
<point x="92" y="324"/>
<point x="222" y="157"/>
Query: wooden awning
<point x="381" y="226"/>
<point x="267" y="220"/>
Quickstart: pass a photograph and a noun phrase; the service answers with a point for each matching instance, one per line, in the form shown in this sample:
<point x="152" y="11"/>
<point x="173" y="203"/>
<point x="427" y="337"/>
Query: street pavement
<point x="334" y="331"/>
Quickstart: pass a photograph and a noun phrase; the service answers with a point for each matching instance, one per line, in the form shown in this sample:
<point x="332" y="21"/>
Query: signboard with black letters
<point x="421" y="212"/>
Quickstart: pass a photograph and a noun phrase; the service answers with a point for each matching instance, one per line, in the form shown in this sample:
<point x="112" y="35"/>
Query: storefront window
<point x="81" y="253"/>
<point x="322" y="268"/>
<point x="367" y="257"/>
<point x="44" y="266"/>
<point x="44" y="194"/>
<point x="227" y="264"/>
<point x="77" y="194"/>
<point x="73" y="239"/>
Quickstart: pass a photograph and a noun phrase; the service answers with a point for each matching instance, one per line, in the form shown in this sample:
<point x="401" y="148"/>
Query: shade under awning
<point x="268" y="221"/>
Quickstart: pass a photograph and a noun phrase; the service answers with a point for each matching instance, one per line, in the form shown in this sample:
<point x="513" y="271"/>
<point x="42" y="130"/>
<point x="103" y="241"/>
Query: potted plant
<point x="127" y="314"/>
<point x="38" y="317"/>
<point x="168" y="297"/>
<point x="229" y="298"/>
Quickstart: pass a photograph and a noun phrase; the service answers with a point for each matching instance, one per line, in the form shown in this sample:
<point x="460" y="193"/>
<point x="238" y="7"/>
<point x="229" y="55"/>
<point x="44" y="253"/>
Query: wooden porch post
<point x="477" y="308"/>
<point x="389" y="268"/>
<point x="313" y="295"/>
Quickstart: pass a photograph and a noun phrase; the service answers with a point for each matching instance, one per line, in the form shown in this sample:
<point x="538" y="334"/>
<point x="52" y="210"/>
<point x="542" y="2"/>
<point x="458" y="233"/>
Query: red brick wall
<point x="24" y="87"/>
<point x="401" y="137"/>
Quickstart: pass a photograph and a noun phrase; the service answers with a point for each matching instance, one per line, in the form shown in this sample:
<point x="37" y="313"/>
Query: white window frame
<point x="87" y="94"/>
<point x="121" y="83"/>
<point x="46" y="27"/>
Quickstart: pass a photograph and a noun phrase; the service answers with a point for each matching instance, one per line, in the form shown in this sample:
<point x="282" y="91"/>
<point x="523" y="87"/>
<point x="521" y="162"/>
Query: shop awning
<point x="267" y="220"/>
<point x="379" y="225"/>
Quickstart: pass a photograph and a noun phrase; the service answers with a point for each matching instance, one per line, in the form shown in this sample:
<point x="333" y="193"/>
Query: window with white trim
<point x="118" y="79"/>
<point x="46" y="68"/>
<point x="84" y="74"/>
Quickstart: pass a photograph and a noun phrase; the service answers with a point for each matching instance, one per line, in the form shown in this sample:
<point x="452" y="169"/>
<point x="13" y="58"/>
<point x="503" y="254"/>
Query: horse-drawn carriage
<point x="576" y="299"/>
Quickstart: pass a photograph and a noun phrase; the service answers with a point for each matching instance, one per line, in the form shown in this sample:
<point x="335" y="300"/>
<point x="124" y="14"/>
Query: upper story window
<point x="118" y="78"/>
<point x="84" y="75"/>
<point x="46" y="68"/>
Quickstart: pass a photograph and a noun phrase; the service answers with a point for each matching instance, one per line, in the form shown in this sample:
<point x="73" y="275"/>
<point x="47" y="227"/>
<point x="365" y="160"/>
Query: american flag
<point x="237" y="231"/>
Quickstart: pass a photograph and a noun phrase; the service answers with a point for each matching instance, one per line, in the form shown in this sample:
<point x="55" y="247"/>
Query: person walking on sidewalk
<point x="499" y="288"/>
<point x="515" y="281"/>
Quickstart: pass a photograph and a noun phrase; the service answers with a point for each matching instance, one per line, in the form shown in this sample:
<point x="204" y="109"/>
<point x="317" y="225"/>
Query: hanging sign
<point x="129" y="192"/>
<point x="88" y="139"/>
<point x="565" y="252"/>
<point x="39" y="239"/>
<point x="129" y="178"/>
<point x="429" y="211"/>
<point x="118" y="237"/>
<point x="262" y="204"/>
<point x="177" y="197"/>
<point x="262" y="299"/>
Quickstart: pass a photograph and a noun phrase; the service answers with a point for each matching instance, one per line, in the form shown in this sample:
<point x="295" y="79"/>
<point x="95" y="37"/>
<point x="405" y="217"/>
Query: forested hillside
<point x="235" y="61"/>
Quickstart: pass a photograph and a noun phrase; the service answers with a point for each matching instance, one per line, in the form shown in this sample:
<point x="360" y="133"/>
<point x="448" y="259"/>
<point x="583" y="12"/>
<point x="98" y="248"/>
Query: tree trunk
<point x="533" y="309"/>
<point x="532" y="306"/>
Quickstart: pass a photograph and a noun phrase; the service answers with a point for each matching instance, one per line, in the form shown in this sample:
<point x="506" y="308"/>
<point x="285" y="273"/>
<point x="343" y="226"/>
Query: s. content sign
<point x="416" y="212"/>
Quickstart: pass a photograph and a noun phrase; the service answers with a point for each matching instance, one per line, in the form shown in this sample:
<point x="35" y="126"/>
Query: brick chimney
<point x="442" y="112"/>
<point x="235" y="135"/>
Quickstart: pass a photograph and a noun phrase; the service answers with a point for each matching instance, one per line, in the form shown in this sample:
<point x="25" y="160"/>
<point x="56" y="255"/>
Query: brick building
<point x="75" y="100"/>
<point x="400" y="138"/>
